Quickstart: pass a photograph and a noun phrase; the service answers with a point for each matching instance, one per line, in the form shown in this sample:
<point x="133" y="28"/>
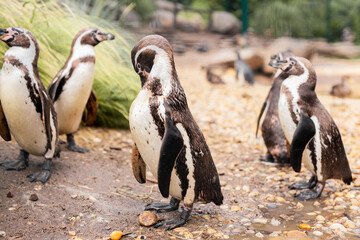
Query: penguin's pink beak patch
<point x="6" y="34"/>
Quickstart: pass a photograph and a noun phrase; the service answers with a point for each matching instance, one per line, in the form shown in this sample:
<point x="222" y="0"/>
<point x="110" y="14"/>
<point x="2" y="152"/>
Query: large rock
<point x="342" y="49"/>
<point x="193" y="24"/>
<point x="163" y="19"/>
<point x="224" y="23"/>
<point x="300" y="47"/>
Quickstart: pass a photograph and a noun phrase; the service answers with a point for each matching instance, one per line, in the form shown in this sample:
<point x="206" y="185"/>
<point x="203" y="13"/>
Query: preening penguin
<point x="272" y="133"/>
<point x="166" y="137"/>
<point x="314" y="137"/>
<point x="70" y="90"/>
<point x="27" y="111"/>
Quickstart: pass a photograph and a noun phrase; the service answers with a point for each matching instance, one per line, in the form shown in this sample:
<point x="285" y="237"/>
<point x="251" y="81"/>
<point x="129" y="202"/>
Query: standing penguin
<point x="272" y="133"/>
<point x="27" y="111"/>
<point x="166" y="137"/>
<point x="315" y="139"/>
<point x="243" y="70"/>
<point x="70" y="90"/>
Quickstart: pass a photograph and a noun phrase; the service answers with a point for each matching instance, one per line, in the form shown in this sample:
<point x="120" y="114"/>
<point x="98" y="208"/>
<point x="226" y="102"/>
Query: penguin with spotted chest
<point x="24" y="98"/>
<point x="166" y="137"/>
<point x="315" y="139"/>
<point x="71" y="89"/>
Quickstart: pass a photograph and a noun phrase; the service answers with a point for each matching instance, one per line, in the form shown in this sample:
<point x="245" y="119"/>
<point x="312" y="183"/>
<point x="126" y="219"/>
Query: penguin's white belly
<point x="24" y="121"/>
<point x="72" y="101"/>
<point x="288" y="125"/>
<point x="146" y="136"/>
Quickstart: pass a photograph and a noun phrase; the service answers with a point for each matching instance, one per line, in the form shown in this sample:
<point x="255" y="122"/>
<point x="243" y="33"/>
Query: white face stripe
<point x="79" y="51"/>
<point x="161" y="69"/>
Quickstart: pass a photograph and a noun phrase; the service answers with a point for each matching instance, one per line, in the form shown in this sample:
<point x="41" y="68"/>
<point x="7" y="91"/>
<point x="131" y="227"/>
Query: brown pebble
<point x="10" y="194"/>
<point x="33" y="197"/>
<point x="147" y="218"/>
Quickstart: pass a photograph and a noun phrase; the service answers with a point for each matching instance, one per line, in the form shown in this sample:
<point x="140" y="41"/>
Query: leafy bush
<point x="54" y="26"/>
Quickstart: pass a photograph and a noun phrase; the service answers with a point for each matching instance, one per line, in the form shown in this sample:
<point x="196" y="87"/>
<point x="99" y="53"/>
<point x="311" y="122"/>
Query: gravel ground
<point x="91" y="195"/>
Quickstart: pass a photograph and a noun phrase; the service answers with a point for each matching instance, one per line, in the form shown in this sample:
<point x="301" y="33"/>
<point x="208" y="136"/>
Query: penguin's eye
<point x="16" y="33"/>
<point x="138" y="66"/>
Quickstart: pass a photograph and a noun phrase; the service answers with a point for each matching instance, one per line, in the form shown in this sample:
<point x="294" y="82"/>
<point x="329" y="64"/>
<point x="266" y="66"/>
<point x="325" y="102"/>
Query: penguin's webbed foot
<point x="72" y="146"/>
<point x="75" y="148"/>
<point x="163" y="207"/>
<point x="267" y="158"/>
<point x="20" y="164"/>
<point x="311" y="194"/>
<point x="172" y="223"/>
<point x="41" y="176"/>
<point x="304" y="185"/>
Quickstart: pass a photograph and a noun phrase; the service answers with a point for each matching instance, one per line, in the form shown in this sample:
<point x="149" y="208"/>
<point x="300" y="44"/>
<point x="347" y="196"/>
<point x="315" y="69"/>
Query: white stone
<point x="338" y="227"/>
<point x="275" y="222"/>
<point x="259" y="235"/>
<point x="317" y="233"/>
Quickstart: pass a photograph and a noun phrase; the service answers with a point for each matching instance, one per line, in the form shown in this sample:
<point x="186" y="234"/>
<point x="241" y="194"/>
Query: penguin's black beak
<point x="277" y="63"/>
<point x="106" y="36"/>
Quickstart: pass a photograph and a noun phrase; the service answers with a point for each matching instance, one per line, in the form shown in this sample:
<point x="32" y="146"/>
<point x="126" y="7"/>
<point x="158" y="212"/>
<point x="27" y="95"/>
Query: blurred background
<point x="210" y="31"/>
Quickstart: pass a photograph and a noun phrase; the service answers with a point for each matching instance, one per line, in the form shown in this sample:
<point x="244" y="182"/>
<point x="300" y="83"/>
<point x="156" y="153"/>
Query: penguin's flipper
<point x="56" y="86"/>
<point x="170" y="150"/>
<point x="45" y="114"/>
<point x="260" y="115"/>
<point x="91" y="109"/>
<point x="138" y="165"/>
<point x="304" y="132"/>
<point x="4" y="128"/>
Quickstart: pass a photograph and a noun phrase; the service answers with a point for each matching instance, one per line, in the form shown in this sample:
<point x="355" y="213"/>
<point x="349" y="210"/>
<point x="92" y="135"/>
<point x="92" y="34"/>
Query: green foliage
<point x="54" y="26"/>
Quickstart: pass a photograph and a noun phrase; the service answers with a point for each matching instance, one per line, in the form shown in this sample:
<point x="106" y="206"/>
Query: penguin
<point x="166" y="137"/>
<point x="71" y="89"/>
<point x="27" y="112"/>
<point x="272" y="133"/>
<point x="342" y="89"/>
<point x="242" y="69"/>
<point x="315" y="139"/>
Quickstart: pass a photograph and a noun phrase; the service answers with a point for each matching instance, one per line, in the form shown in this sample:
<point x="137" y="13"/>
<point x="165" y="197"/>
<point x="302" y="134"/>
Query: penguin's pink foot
<point x="163" y="207"/>
<point x="20" y="164"/>
<point x="304" y="185"/>
<point x="172" y="223"/>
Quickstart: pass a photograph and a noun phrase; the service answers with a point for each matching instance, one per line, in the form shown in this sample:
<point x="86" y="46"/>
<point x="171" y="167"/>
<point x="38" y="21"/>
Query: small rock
<point x="116" y="235"/>
<point x="317" y="233"/>
<point x="2" y="234"/>
<point x="349" y="224"/>
<point x="206" y="217"/>
<point x="33" y="197"/>
<point x="280" y="199"/>
<point x="299" y="205"/>
<point x="316" y="203"/>
<point x="295" y="233"/>
<point x="71" y="233"/>
<point x="320" y="218"/>
<point x="235" y="208"/>
<point x="10" y="194"/>
<point x="259" y="235"/>
<point x="246" y="188"/>
<point x="304" y="226"/>
<point x="147" y="218"/>
<point x="226" y="237"/>
<point x="140" y="237"/>
<point x="211" y="231"/>
<point x="275" y="222"/>
<point x="270" y="198"/>
<point x="337" y="227"/>
<point x="260" y="220"/>
<point x="254" y="193"/>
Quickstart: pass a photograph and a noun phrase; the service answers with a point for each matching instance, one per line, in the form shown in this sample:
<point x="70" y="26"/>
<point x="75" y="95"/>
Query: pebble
<point x="116" y="235"/>
<point x="254" y="193"/>
<point x="299" y="205"/>
<point x="295" y="233"/>
<point x="316" y="203"/>
<point x="304" y="226"/>
<point x="2" y="234"/>
<point x="147" y="218"/>
<point x="10" y="194"/>
<point x="211" y="231"/>
<point x="235" y="208"/>
<point x="349" y="224"/>
<point x="260" y="220"/>
<point x="280" y="199"/>
<point x="246" y="188"/>
<point x="270" y="198"/>
<point x="71" y="233"/>
<point x="275" y="222"/>
<point x="33" y="197"/>
<point x="317" y="233"/>
<point x="259" y="235"/>
<point x="337" y="227"/>
<point x="320" y="218"/>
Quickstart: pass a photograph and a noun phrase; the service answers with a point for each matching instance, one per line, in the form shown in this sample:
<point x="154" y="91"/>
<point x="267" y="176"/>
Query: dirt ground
<point x="91" y="195"/>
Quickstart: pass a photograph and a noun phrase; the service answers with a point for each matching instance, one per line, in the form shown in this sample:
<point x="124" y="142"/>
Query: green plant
<point x="54" y="26"/>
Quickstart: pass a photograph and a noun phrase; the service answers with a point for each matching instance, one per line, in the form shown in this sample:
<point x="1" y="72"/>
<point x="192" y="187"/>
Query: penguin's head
<point x="16" y="37"/>
<point x="277" y="60"/>
<point x="153" y="55"/>
<point x="92" y="36"/>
